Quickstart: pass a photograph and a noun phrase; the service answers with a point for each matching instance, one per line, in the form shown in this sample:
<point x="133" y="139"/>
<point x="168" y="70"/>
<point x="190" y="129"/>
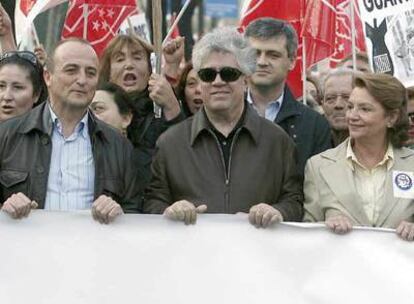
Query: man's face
<point x="273" y="62"/>
<point x="73" y="81"/>
<point x="129" y="68"/>
<point x="337" y="92"/>
<point x="219" y="96"/>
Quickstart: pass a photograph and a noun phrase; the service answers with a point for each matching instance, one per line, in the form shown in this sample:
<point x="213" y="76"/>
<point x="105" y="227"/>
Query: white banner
<point x="68" y="258"/>
<point x="389" y="36"/>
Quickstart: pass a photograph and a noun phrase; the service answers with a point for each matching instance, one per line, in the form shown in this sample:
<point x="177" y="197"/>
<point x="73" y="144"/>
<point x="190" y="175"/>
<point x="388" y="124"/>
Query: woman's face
<point x="105" y="108"/>
<point x="129" y="68"/>
<point x="16" y="91"/>
<point x="192" y="92"/>
<point x="366" y="117"/>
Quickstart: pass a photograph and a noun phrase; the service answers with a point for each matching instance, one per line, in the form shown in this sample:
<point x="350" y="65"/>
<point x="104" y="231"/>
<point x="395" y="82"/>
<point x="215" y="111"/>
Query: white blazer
<point x="329" y="188"/>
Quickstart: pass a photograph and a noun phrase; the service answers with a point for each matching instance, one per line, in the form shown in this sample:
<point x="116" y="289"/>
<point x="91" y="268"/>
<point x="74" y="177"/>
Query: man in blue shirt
<point x="59" y="156"/>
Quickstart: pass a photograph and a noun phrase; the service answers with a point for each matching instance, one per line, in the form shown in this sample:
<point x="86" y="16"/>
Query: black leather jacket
<point x="25" y="153"/>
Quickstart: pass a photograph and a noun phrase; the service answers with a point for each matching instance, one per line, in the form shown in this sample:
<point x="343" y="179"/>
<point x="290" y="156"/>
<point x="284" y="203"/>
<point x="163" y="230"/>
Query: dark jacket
<point x="145" y="129"/>
<point x="25" y="155"/>
<point x="308" y="129"/>
<point x="189" y="165"/>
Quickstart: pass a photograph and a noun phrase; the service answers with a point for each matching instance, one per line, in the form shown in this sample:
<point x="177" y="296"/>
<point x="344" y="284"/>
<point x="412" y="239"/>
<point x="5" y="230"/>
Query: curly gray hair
<point x="225" y="40"/>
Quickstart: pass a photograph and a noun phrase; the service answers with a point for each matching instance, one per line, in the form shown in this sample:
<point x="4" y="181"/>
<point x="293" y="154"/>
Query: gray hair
<point x="225" y="40"/>
<point x="268" y="28"/>
<point x="338" y="72"/>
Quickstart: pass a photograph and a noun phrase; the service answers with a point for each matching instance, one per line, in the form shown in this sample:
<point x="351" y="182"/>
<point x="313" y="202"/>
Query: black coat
<point x="145" y="129"/>
<point x="25" y="156"/>
<point x="309" y="130"/>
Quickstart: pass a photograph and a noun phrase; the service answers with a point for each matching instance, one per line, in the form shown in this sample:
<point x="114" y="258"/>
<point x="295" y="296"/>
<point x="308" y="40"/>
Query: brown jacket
<point x="188" y="165"/>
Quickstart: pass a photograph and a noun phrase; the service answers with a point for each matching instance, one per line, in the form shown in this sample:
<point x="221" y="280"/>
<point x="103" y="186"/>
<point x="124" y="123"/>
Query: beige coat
<point x="330" y="189"/>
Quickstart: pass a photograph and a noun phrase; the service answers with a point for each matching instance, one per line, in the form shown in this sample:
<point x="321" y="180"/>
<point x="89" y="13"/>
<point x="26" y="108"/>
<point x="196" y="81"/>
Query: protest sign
<point x="389" y="35"/>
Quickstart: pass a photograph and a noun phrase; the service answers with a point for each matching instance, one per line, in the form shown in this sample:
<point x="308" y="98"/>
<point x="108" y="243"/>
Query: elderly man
<point x="336" y="91"/>
<point x="225" y="159"/>
<point x="58" y="156"/>
<point x="276" y="44"/>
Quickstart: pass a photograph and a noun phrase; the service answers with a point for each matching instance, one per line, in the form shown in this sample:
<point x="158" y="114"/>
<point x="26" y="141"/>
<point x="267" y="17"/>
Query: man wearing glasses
<point x="59" y="156"/>
<point x="337" y="87"/>
<point x="276" y="44"/>
<point x="225" y="159"/>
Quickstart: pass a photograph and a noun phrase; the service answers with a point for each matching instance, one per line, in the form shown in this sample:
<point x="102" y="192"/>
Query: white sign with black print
<point x="389" y="37"/>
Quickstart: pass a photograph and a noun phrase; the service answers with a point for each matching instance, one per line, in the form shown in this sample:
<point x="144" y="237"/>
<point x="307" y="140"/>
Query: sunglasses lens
<point x="28" y="56"/>
<point x="207" y="74"/>
<point x="228" y="74"/>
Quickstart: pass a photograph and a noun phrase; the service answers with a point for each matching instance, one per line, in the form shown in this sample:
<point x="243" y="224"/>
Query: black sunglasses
<point x="25" y="55"/>
<point x="227" y="74"/>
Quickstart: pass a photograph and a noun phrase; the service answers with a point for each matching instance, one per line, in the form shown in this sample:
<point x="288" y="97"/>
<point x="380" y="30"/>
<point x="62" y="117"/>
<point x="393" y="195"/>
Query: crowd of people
<point x="79" y="132"/>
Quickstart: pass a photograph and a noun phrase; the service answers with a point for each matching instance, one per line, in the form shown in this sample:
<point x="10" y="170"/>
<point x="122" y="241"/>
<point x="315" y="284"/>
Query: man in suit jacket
<point x="276" y="44"/>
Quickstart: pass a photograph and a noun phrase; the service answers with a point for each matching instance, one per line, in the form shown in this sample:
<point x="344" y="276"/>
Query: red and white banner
<point x="291" y="11"/>
<point x="68" y="258"/>
<point x="328" y="30"/>
<point x="104" y="18"/>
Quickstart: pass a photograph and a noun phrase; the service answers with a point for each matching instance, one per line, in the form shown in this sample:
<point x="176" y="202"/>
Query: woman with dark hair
<point x="21" y="83"/>
<point x="368" y="179"/>
<point x="112" y="105"/>
<point x="188" y="91"/>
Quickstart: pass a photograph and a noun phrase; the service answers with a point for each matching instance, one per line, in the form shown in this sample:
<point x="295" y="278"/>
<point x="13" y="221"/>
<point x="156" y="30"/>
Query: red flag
<point x="26" y="6"/>
<point x="290" y="11"/>
<point x="327" y="28"/>
<point x="104" y="19"/>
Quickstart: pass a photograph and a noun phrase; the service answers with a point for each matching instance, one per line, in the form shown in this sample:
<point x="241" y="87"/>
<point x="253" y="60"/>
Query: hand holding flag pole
<point x="157" y="39"/>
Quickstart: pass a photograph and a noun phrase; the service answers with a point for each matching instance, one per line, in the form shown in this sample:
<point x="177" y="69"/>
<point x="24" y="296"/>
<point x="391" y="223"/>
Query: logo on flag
<point x="104" y="19"/>
<point x="328" y="30"/>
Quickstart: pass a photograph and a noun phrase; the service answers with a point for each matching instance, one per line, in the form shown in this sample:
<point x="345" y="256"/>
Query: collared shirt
<point x="72" y="171"/>
<point x="370" y="183"/>
<point x="226" y="142"/>
<point x="272" y="108"/>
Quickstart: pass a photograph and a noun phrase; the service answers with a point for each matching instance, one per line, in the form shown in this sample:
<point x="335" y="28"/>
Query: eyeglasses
<point x="332" y="98"/>
<point x="411" y="117"/>
<point x="25" y="55"/>
<point x="227" y="74"/>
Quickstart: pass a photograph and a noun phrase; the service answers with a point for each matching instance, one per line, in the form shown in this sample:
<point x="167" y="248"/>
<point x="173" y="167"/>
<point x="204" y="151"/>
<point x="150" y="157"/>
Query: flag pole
<point x="304" y="84"/>
<point x="36" y="37"/>
<point x="177" y="19"/>
<point x="157" y="40"/>
<point x="353" y="35"/>
<point x="85" y="21"/>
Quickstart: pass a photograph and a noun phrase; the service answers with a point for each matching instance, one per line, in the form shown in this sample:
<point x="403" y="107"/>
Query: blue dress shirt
<point x="72" y="171"/>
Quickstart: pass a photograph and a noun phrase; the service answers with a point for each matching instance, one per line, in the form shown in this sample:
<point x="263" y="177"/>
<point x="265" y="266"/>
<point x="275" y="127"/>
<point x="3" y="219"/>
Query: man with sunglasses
<point x="276" y="44"/>
<point x="226" y="158"/>
<point x="59" y="156"/>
